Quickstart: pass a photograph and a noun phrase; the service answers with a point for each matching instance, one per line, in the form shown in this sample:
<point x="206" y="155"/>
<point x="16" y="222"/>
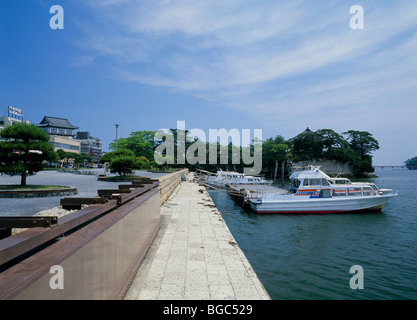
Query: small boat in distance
<point x="314" y="192"/>
<point x="222" y="179"/>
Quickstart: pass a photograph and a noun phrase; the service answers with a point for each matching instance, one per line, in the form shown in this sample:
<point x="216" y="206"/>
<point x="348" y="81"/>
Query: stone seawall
<point x="168" y="183"/>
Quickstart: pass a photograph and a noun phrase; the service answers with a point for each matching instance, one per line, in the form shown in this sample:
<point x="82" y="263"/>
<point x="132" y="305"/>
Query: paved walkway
<point x="194" y="256"/>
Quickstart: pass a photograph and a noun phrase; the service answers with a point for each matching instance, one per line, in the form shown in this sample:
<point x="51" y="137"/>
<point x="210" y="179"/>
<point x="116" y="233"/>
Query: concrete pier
<point x="194" y="255"/>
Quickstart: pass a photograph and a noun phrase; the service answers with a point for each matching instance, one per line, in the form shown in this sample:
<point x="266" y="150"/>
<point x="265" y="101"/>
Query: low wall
<point x="168" y="183"/>
<point x="69" y="191"/>
<point x="96" y="261"/>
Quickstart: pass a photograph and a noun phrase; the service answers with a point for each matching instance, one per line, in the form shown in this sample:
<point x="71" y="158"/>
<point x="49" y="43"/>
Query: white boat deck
<point x="261" y="188"/>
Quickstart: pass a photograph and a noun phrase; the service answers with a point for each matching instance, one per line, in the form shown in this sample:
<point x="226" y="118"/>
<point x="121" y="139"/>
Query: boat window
<point x="339" y="192"/>
<point x="296" y="183"/>
<point x="324" y="193"/>
<point x="342" y="181"/>
<point x="367" y="191"/>
<point x="354" y="192"/>
<point x="324" y="182"/>
<point x="315" y="182"/>
<point x="305" y="182"/>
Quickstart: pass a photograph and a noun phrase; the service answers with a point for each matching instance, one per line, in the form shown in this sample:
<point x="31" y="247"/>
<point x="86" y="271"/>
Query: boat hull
<point x="288" y="205"/>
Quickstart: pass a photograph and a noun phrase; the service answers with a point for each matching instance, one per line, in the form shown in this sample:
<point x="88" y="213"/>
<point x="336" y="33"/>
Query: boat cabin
<point x="315" y="183"/>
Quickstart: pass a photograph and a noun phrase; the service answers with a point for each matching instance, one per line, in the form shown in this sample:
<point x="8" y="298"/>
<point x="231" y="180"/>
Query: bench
<point x="75" y="203"/>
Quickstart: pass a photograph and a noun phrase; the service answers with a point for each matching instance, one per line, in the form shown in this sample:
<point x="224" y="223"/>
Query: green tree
<point x="307" y="146"/>
<point x="64" y="155"/>
<point x="107" y="157"/>
<point x="140" y="142"/>
<point x="82" y="158"/>
<point x="361" y="143"/>
<point x="411" y="163"/>
<point x="123" y="164"/>
<point x="61" y="154"/>
<point x="122" y="161"/>
<point x="143" y="163"/>
<point x="71" y="155"/>
<point x="23" y="150"/>
<point x="334" y="146"/>
<point x="274" y="150"/>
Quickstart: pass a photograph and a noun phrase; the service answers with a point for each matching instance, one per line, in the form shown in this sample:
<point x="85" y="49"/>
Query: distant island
<point x="411" y="163"/>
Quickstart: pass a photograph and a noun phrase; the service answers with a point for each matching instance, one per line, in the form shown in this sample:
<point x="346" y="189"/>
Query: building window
<point x="64" y="146"/>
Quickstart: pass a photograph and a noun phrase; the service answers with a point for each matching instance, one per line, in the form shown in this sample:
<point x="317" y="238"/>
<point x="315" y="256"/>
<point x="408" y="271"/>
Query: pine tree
<point x="23" y="148"/>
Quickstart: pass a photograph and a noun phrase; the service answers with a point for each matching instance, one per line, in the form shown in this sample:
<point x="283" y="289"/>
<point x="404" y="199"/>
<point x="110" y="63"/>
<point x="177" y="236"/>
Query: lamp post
<point x="117" y="126"/>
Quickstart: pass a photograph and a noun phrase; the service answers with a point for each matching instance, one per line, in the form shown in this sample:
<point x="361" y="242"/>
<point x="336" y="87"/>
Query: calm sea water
<point x="310" y="256"/>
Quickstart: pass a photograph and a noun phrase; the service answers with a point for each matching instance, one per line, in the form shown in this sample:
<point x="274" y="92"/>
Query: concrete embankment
<point x="168" y="183"/>
<point x="194" y="255"/>
<point x="134" y="246"/>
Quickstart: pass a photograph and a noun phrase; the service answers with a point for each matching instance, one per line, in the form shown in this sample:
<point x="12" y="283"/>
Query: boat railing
<point x="258" y="193"/>
<point x="353" y="191"/>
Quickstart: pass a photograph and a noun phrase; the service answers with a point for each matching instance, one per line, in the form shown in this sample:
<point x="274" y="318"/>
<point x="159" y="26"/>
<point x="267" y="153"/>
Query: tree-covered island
<point x="411" y="163"/>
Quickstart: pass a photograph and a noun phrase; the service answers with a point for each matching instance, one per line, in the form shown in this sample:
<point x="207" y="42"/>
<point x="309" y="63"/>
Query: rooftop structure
<point x="61" y="134"/>
<point x="8" y="121"/>
<point x="307" y="130"/>
<point x="14" y="116"/>
<point x="57" y="126"/>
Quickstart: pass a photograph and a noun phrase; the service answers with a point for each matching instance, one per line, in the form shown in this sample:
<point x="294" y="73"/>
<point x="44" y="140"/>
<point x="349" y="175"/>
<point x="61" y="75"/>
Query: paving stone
<point x="194" y="256"/>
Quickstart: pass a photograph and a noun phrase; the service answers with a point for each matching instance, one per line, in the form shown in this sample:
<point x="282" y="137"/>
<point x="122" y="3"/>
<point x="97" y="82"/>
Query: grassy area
<point x="15" y="187"/>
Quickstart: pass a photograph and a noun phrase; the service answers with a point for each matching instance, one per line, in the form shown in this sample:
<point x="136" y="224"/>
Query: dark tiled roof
<point x="305" y="131"/>
<point x="56" y="122"/>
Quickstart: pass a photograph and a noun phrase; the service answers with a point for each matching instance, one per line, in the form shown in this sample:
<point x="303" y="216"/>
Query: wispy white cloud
<point x="265" y="58"/>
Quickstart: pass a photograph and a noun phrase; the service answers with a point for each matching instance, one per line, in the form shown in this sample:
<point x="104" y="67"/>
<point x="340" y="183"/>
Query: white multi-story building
<point x="61" y="134"/>
<point x="90" y="145"/>
<point x="14" y="116"/>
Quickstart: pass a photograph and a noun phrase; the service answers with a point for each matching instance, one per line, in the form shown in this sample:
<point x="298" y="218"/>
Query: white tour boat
<point x="223" y="178"/>
<point x="314" y="192"/>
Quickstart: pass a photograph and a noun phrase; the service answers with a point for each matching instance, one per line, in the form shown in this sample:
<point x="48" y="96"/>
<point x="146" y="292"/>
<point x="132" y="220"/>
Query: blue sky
<point x="279" y="66"/>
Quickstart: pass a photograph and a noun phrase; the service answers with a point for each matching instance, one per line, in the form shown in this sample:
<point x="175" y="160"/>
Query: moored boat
<point x="314" y="192"/>
<point x="226" y="178"/>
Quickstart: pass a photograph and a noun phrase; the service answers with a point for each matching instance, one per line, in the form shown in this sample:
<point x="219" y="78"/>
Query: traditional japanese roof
<point x="307" y="130"/>
<point x="56" y="122"/>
